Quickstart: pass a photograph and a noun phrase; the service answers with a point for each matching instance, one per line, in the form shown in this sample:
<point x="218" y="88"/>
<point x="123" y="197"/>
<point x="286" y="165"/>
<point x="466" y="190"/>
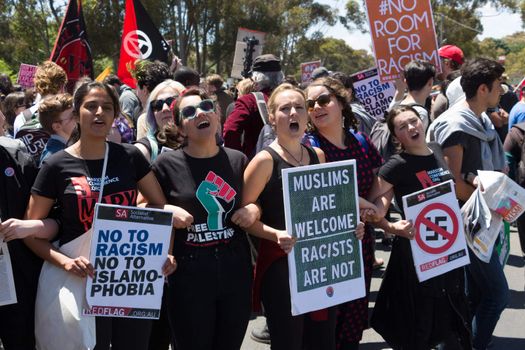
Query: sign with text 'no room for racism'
<point x="321" y="211"/>
<point x="128" y="248"/>
<point x="402" y="31"/>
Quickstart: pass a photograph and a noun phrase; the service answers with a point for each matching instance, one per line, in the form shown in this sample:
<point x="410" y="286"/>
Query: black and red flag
<point x="140" y="39"/>
<point x="72" y="51"/>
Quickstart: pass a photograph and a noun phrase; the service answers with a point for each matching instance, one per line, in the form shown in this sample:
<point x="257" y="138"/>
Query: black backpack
<point x="31" y="133"/>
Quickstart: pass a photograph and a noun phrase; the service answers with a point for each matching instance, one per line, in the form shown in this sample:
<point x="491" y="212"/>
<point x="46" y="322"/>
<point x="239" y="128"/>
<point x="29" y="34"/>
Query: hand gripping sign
<point x="439" y="244"/>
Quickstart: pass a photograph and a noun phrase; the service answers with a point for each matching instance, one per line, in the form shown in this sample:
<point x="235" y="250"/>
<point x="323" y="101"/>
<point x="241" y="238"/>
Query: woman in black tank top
<point x="263" y="183"/>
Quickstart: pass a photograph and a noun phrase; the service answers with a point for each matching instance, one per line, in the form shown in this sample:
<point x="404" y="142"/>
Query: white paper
<point x="439" y="245"/>
<point x="7" y="282"/>
<point x="326" y="264"/>
<point x="128" y="250"/>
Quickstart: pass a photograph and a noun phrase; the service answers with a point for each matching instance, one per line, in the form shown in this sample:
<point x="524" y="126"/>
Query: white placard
<point x="321" y="210"/>
<point x="439" y="244"/>
<point x="7" y="281"/>
<point x="128" y="249"/>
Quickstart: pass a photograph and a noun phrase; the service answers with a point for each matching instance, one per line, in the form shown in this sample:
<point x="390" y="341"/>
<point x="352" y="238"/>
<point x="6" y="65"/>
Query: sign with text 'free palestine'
<point x="128" y="248"/>
<point x="322" y="212"/>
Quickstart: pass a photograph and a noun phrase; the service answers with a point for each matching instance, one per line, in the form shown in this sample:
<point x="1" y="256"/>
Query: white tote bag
<point x="61" y="298"/>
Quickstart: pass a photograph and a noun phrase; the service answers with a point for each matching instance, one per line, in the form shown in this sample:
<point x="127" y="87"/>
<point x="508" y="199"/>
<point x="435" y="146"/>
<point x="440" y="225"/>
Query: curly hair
<point x="150" y="74"/>
<point x="50" y="78"/>
<point x="336" y="88"/>
<point x="50" y="108"/>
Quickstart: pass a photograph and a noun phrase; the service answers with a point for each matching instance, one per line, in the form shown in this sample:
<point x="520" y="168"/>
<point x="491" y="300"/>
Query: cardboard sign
<point x="26" y="74"/>
<point x="402" y="31"/>
<point x="240" y="48"/>
<point x="306" y="70"/>
<point x="128" y="249"/>
<point x="374" y="95"/>
<point x="322" y="212"/>
<point x="439" y="244"/>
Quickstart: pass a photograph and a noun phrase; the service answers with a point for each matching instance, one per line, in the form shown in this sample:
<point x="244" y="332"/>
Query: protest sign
<point x="243" y="35"/>
<point x="306" y="70"/>
<point x="439" y="244"/>
<point x="322" y="212"/>
<point x="402" y="30"/>
<point x="128" y="249"/>
<point x="374" y="95"/>
<point x="26" y="74"/>
<point x="7" y="285"/>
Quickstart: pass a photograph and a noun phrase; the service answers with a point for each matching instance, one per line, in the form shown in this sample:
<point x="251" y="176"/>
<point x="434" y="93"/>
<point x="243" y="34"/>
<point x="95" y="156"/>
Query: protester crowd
<point x="213" y="155"/>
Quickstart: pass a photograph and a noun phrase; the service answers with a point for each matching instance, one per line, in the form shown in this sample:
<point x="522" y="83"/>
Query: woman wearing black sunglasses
<point x="158" y="116"/>
<point x="209" y="296"/>
<point x="331" y="124"/>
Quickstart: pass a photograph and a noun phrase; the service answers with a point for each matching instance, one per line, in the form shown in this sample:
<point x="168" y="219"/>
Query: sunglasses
<point x="157" y="105"/>
<point x="190" y="112"/>
<point x="322" y="100"/>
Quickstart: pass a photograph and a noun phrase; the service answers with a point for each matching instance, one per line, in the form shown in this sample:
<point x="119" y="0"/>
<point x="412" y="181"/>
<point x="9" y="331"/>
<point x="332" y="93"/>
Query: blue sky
<point x="491" y="20"/>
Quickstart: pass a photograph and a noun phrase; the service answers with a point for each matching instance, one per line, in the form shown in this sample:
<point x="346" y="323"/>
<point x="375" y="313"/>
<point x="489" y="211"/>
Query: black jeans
<point x="209" y="298"/>
<point x="289" y="332"/>
<point x="122" y="333"/>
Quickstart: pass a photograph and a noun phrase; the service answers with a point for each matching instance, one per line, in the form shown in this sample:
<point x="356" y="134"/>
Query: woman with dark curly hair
<point x="209" y="295"/>
<point x="331" y="124"/>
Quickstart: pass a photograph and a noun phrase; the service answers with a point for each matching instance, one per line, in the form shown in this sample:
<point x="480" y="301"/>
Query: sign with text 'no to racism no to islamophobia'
<point x="321" y="210"/>
<point x="128" y="248"/>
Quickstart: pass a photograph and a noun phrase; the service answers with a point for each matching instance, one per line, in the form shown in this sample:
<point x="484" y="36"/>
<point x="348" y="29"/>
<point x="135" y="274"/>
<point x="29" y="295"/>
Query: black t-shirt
<point x="410" y="173"/>
<point x="210" y="189"/>
<point x="471" y="151"/>
<point x="75" y="184"/>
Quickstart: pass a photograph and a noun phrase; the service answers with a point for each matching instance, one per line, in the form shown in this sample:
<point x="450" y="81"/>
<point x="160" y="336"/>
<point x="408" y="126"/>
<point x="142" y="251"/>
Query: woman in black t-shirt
<point x="410" y="314"/>
<point x="71" y="179"/>
<point x="209" y="295"/>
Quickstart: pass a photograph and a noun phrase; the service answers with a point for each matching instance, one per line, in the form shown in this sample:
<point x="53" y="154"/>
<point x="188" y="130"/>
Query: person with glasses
<point x="331" y="125"/>
<point x="158" y="116"/>
<point x="56" y="117"/>
<point x="209" y="296"/>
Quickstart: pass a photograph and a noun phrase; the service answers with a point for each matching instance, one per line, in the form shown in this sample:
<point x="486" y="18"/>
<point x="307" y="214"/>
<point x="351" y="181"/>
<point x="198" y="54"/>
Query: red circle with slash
<point x="449" y="236"/>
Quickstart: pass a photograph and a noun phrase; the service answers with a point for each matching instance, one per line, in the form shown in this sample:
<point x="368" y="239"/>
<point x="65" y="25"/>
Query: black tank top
<point x="271" y="198"/>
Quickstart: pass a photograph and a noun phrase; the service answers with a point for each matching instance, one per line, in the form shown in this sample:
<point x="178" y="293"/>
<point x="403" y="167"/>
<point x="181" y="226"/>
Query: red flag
<point x="72" y="51"/>
<point x="140" y="39"/>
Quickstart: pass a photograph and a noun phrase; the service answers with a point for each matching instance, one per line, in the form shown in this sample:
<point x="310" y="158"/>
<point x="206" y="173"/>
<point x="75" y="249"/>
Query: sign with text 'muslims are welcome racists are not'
<point x="321" y="211"/>
<point x="402" y="31"/>
<point x="128" y="248"/>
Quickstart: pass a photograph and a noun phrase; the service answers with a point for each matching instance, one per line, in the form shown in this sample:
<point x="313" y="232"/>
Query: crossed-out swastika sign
<point x="442" y="213"/>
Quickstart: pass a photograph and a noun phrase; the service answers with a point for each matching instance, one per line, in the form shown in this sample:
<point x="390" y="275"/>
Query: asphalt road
<point x="509" y="333"/>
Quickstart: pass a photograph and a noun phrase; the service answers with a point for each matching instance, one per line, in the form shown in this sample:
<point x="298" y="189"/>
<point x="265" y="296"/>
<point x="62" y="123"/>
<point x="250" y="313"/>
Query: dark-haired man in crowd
<point x="470" y="143"/>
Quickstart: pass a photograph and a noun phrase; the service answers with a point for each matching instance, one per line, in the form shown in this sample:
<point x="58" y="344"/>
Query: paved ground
<point x="509" y="334"/>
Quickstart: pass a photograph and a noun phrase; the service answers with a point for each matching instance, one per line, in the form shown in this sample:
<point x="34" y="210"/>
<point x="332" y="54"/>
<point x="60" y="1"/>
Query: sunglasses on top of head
<point x="158" y="105"/>
<point x="322" y="100"/>
<point x="190" y="112"/>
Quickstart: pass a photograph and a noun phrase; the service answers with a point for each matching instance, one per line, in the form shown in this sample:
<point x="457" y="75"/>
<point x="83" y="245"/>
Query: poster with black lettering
<point x="322" y="212"/>
<point x="128" y="248"/>
<point x="374" y="95"/>
<point x="439" y="243"/>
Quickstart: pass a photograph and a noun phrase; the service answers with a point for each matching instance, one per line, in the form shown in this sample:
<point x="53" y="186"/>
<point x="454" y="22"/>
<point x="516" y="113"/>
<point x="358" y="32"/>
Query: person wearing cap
<point x="319" y="72"/>
<point x="451" y="60"/>
<point x="242" y="127"/>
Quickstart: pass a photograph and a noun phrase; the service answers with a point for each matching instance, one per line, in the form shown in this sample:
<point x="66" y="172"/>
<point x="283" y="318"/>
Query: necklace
<point x="300" y="161"/>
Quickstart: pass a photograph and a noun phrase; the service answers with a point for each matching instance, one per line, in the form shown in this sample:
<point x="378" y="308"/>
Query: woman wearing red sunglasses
<point x="158" y="116"/>
<point x="331" y="121"/>
<point x="209" y="296"/>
